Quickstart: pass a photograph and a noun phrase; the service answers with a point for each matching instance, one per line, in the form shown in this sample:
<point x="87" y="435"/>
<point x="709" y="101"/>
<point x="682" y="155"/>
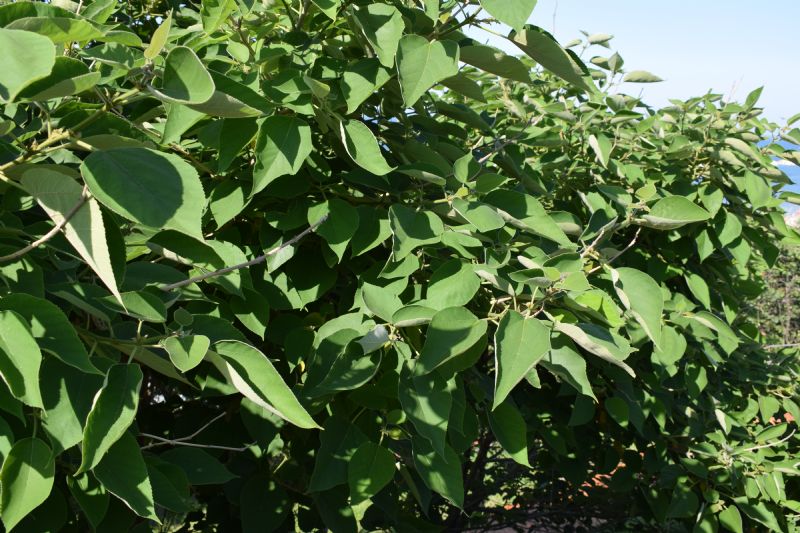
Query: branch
<point x="594" y="243"/>
<point x="163" y="441"/>
<point x="289" y="12"/>
<point x="768" y="445"/>
<point x="628" y="247"/>
<point x="499" y="145"/>
<point x="252" y="262"/>
<point x="183" y="441"/>
<point x="304" y="7"/>
<point x="50" y="234"/>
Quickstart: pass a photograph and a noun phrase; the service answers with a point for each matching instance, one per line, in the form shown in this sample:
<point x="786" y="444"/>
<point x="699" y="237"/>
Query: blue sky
<point x="730" y="45"/>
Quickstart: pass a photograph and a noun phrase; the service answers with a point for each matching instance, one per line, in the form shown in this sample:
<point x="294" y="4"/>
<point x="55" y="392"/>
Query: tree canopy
<point x="334" y="264"/>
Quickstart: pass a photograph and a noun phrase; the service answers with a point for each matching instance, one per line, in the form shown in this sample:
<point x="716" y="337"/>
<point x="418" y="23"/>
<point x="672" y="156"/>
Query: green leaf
<point x="519" y="344"/>
<point x="641" y="76"/>
<point x="757" y="189"/>
<point x="453" y="284"/>
<point x="141" y="305"/>
<point x="483" y="217"/>
<point x="185" y="79"/>
<point x="582" y="411"/>
<point x="232" y="99"/>
<point x="361" y="80"/>
<point x="26" y="480"/>
<point x="641" y="295"/>
<point x="495" y="61"/>
<point x="214" y="13"/>
<point x="730" y="230"/>
<point x="421" y="64"/>
<point x="509" y="427"/>
<point x="515" y="13"/>
<point x="727" y="338"/>
<point x="527" y="213"/>
<point x="157" y="190"/>
<point x="759" y="512"/>
<point x="252" y="374"/>
<point x="452" y="331"/>
<point x="69" y="76"/>
<point x="170" y="486"/>
<point x="227" y="200"/>
<point x="673" y="212"/>
<point x="601" y="145"/>
<point x="731" y="519"/>
<point x="113" y="411"/>
<point x="282" y="145"/>
<point x="427" y="400"/>
<point x="123" y="473"/>
<point x="90" y="495"/>
<point x="159" y="38"/>
<point x="699" y="289"/>
<point x="596" y="340"/>
<point x="671" y="348"/>
<point x="188" y="351"/>
<point x="465" y="86"/>
<point x="67" y="394"/>
<point x="59" y="195"/>
<point x="618" y="409"/>
<point x="383" y="26"/>
<point x="51" y="328"/>
<point x="564" y="361"/>
<point x="440" y="472"/>
<point x="20" y="359"/>
<point x="339" y="441"/>
<point x="362" y="147"/>
<point x="543" y="48"/>
<point x="329" y="7"/>
<point x="264" y="504"/>
<point x="26" y="57"/>
<point x="412" y="229"/>
<point x="200" y="467"/>
<point x="58" y="29"/>
<point x="380" y="301"/>
<point x="371" y="468"/>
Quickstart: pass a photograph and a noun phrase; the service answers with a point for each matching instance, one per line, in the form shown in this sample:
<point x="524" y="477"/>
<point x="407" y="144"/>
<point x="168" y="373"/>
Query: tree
<point x="305" y="264"/>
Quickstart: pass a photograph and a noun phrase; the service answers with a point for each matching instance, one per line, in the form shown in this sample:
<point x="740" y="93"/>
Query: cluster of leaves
<point x="776" y="308"/>
<point x="301" y="264"/>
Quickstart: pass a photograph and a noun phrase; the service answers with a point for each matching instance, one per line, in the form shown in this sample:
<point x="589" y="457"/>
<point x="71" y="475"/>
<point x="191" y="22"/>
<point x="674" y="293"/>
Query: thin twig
<point x="768" y="445"/>
<point x="252" y="262"/>
<point x="499" y="145"/>
<point x="304" y="7"/>
<point x="163" y="441"/>
<point x="594" y="243"/>
<point x="628" y="247"/>
<point x="50" y="234"/>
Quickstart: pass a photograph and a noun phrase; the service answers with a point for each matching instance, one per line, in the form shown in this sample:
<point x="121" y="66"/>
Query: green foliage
<point x="333" y="264"/>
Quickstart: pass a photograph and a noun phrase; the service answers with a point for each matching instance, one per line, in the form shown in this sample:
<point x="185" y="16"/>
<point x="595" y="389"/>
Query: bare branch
<point x="50" y="234"/>
<point x="258" y="260"/>
<point x="184" y="441"/>
<point x="164" y="442"/>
